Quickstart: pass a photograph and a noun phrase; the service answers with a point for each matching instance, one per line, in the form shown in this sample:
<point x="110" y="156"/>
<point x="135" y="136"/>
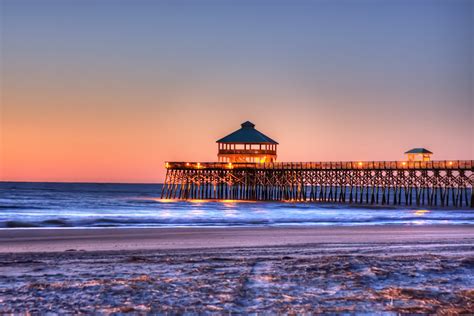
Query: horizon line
<point x="78" y="182"/>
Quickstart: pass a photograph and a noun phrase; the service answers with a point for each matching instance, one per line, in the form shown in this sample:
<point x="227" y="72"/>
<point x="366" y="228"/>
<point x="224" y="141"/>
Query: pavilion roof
<point x="247" y="134"/>
<point x="418" y="151"/>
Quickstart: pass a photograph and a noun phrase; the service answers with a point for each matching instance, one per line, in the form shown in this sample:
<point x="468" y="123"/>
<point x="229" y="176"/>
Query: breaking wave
<point x="61" y="205"/>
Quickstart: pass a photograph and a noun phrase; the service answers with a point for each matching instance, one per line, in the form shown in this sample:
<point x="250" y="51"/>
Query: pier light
<point x="247" y="145"/>
<point x="198" y="165"/>
<point x="450" y="163"/>
<point x="404" y="163"/>
<point x="229" y="165"/>
<point x="187" y="164"/>
<point x="167" y="165"/>
<point x="360" y="163"/>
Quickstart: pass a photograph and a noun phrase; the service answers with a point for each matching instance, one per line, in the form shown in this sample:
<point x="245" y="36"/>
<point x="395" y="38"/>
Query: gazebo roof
<point x="418" y="151"/>
<point x="247" y="134"/>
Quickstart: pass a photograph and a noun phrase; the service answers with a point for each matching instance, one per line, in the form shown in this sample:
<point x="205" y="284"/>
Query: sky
<point x="106" y="91"/>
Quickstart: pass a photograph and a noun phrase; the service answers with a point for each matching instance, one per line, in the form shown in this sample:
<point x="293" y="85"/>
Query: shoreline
<point x="41" y="240"/>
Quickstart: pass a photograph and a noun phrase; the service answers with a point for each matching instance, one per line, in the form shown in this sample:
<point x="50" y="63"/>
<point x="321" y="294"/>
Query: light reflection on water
<point x="111" y="205"/>
<point x="421" y="212"/>
<point x="230" y="213"/>
<point x="165" y="213"/>
<point x="197" y="212"/>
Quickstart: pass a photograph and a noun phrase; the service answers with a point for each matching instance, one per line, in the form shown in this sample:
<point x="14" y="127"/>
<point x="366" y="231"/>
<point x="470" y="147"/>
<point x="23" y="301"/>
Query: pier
<point x="432" y="183"/>
<point x="247" y="170"/>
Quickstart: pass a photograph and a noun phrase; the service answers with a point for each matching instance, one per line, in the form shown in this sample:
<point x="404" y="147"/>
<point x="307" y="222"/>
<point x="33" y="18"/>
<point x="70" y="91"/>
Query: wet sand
<point x="274" y="270"/>
<point x="102" y="239"/>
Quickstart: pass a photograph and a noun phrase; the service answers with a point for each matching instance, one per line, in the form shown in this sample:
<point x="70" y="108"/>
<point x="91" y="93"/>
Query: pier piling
<point x="416" y="183"/>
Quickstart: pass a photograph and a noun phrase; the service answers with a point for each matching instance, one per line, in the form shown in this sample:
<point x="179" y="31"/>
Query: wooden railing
<point x="332" y="165"/>
<point x="246" y="152"/>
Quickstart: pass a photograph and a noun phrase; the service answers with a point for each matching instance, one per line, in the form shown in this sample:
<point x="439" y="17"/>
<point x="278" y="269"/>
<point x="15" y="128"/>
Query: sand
<point x="241" y="270"/>
<point x="54" y="240"/>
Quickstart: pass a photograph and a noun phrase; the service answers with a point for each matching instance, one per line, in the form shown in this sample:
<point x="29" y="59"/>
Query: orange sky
<point x="97" y="102"/>
<point x="64" y="138"/>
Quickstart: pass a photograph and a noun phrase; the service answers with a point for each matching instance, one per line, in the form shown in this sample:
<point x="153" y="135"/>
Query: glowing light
<point x="198" y="165"/>
<point x="404" y="163"/>
<point x="359" y="163"/>
<point x="230" y="212"/>
<point x="229" y="165"/>
<point x="187" y="164"/>
<point x="197" y="212"/>
<point x="167" y="165"/>
<point x="198" y="201"/>
<point x="165" y="214"/>
<point x="233" y="201"/>
<point x="164" y="200"/>
<point x="450" y="163"/>
<point x="228" y="201"/>
<point x="421" y="212"/>
<point x="419" y="222"/>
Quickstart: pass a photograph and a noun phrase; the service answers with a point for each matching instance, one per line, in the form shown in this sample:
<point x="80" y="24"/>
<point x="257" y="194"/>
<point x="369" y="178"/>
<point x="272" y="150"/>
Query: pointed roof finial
<point x="247" y="134"/>
<point x="247" y="124"/>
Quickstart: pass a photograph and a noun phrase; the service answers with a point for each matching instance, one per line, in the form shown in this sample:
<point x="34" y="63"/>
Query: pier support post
<point x="364" y="183"/>
<point x="472" y="197"/>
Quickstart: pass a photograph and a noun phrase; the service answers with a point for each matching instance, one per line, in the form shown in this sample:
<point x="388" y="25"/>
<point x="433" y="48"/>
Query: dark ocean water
<point x="138" y="205"/>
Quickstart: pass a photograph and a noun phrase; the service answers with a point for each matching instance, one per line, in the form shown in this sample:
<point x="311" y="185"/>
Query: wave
<point x="75" y="188"/>
<point x="136" y="205"/>
<point x="141" y="201"/>
<point x="56" y="222"/>
<point x="21" y="207"/>
<point x="19" y="224"/>
<point x="152" y="222"/>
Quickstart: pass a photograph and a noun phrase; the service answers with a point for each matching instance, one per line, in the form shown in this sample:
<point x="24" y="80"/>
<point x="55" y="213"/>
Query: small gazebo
<point x="418" y="154"/>
<point x="247" y="145"/>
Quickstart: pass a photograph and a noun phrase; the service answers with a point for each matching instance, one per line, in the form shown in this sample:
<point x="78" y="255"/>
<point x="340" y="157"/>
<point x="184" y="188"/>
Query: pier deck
<point x="434" y="183"/>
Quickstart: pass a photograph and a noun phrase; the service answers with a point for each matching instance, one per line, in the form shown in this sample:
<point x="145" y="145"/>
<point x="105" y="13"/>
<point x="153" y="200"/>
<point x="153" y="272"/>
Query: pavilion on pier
<point x="418" y="154"/>
<point x="247" y="145"/>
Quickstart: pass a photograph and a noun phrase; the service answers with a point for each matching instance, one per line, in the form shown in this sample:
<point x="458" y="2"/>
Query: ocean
<point x="89" y="205"/>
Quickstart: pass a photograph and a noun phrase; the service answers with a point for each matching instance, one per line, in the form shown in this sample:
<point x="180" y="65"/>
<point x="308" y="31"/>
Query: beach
<point x="236" y="157"/>
<point x="393" y="269"/>
<point x="108" y="239"/>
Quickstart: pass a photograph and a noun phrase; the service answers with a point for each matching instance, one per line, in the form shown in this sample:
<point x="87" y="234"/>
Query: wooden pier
<point x="420" y="183"/>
